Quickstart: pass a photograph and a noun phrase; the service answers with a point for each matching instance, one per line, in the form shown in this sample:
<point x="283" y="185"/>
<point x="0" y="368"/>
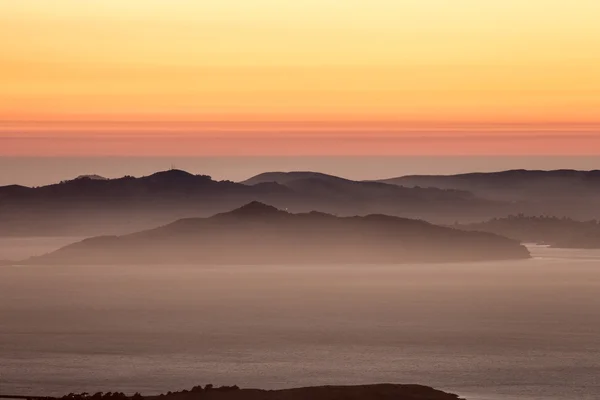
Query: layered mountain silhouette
<point x="89" y="206"/>
<point x="552" y="231"/>
<point x="261" y="234"/>
<point x="333" y="194"/>
<point x="567" y="193"/>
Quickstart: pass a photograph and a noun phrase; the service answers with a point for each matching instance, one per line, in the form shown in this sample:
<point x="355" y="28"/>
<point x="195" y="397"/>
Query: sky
<point x="293" y="78"/>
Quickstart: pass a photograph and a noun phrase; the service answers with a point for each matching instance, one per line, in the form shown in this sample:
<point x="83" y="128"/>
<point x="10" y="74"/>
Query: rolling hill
<point x="261" y="234"/>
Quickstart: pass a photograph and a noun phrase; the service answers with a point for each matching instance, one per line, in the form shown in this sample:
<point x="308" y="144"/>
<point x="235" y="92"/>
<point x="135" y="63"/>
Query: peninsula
<point x="261" y="234"/>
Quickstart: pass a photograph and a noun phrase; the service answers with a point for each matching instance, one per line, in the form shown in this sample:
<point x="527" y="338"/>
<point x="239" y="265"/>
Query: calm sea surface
<point x="488" y="331"/>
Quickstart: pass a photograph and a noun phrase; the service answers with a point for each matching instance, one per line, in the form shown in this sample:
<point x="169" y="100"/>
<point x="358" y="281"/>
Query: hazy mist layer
<point x="503" y="330"/>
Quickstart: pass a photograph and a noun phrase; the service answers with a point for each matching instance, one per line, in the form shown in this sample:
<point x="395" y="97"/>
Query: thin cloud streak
<point x="298" y="145"/>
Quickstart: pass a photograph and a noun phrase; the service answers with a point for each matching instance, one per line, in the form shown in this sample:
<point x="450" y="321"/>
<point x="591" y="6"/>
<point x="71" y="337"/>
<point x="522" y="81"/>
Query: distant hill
<point x="513" y="184"/>
<point x="11" y="191"/>
<point x="286" y="177"/>
<point x="553" y="231"/>
<point x="88" y="206"/>
<point x="260" y="234"/>
<point x="568" y="193"/>
<point x="342" y="196"/>
<point x="92" y="177"/>
<point x="91" y="206"/>
<point x="321" y="184"/>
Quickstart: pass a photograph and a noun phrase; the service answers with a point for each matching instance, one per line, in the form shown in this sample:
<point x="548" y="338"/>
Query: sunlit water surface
<point x="500" y="330"/>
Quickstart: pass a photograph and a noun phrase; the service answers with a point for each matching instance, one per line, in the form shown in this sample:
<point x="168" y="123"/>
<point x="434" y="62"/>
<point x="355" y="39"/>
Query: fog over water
<point x="497" y="330"/>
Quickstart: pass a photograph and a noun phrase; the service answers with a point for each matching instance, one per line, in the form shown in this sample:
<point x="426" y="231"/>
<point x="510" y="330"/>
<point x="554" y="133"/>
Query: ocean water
<point x="488" y="331"/>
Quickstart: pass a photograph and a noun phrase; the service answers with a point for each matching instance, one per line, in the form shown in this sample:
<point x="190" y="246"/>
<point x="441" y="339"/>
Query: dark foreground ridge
<point x="363" y="392"/>
<point x="261" y="234"/>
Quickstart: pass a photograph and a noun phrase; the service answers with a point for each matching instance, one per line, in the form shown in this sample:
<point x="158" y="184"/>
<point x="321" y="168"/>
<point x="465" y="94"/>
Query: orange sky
<point x="268" y="77"/>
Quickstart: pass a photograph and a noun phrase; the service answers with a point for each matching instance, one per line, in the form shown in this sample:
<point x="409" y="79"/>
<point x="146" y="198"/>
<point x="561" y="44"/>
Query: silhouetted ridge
<point x="92" y="177"/>
<point x="563" y="192"/>
<point x="174" y="175"/>
<point x="517" y="182"/>
<point x="171" y="173"/>
<point x="254" y="209"/>
<point x="14" y="190"/>
<point x="286" y="177"/>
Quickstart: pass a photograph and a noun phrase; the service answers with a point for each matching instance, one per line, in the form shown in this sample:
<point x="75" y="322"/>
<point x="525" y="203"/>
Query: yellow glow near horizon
<point x="430" y="61"/>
